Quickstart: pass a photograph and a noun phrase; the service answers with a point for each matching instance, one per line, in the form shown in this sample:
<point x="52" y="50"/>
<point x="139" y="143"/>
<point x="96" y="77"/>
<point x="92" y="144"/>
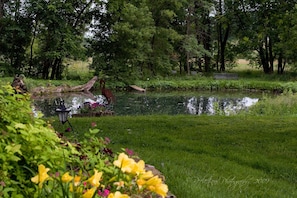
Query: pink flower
<point x="2" y="183"/>
<point x="104" y="193"/>
<point x="94" y="105"/>
<point x="107" y="140"/>
<point x="93" y="124"/>
<point x="129" y="152"/>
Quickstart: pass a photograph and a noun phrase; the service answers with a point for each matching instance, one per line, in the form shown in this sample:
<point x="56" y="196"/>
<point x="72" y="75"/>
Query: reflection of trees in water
<point x="213" y="105"/>
<point x="146" y="104"/>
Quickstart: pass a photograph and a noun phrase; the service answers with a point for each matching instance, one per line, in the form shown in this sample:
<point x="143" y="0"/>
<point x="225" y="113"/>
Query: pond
<point x="149" y="103"/>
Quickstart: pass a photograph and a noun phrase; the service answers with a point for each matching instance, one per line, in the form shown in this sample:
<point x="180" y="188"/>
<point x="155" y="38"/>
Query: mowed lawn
<point x="209" y="156"/>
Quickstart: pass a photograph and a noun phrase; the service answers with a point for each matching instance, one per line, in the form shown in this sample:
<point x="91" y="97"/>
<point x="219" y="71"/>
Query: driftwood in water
<point x="64" y="88"/>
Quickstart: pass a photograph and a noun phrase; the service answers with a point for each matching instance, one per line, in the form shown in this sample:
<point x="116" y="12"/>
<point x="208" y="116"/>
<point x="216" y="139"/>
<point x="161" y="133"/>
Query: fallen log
<point x="137" y="88"/>
<point x="64" y="88"/>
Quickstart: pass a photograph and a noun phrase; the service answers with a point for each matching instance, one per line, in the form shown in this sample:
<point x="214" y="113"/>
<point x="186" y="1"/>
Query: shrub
<point x="25" y="142"/>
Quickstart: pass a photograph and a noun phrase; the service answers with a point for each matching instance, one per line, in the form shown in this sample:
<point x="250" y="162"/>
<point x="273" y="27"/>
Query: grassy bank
<point x="248" y="80"/>
<point x="209" y="156"/>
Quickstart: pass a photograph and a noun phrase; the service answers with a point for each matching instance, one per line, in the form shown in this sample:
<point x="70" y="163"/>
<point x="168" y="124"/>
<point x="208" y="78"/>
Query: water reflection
<point x="172" y="103"/>
<point x="213" y="105"/>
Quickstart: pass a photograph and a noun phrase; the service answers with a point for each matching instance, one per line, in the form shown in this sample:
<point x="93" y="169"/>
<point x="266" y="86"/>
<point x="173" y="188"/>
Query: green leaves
<point x="25" y="141"/>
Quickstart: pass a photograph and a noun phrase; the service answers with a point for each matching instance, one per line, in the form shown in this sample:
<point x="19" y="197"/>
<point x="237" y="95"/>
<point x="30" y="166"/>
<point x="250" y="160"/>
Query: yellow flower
<point x="143" y="177"/>
<point x="76" y="184"/>
<point x="117" y="194"/>
<point x="89" y="193"/>
<point x="66" y="177"/>
<point x="138" y="167"/>
<point x="41" y="176"/>
<point x="77" y="180"/>
<point x="95" y="179"/>
<point x="147" y="175"/>
<point x="156" y="185"/>
<point x="125" y="163"/>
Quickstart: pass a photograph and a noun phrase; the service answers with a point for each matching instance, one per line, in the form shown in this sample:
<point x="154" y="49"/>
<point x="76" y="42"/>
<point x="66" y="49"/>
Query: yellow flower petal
<point x="66" y="177"/>
<point x="156" y="185"/>
<point x="89" y="193"/>
<point x="95" y="179"/>
<point x="125" y="163"/>
<point x="41" y="176"/>
<point x="77" y="180"/>
<point x="146" y="175"/>
<point x="117" y="194"/>
<point x="138" y="167"/>
<point x="35" y="179"/>
<point x="161" y="189"/>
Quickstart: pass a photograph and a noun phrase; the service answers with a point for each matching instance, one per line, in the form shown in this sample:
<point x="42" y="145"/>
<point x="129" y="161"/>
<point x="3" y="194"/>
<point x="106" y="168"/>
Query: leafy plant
<point x="25" y="142"/>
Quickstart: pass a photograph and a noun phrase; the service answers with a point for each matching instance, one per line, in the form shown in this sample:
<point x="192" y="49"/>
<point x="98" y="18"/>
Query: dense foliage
<point x="25" y="142"/>
<point x="138" y="39"/>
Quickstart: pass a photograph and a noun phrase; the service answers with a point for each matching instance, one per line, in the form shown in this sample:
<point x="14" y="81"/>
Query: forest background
<point x="141" y="39"/>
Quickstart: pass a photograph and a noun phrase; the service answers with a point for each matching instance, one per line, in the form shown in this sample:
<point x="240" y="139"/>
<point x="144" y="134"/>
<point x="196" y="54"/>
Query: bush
<point x="25" y="142"/>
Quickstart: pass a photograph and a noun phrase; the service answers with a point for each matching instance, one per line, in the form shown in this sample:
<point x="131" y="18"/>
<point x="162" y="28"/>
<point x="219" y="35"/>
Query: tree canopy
<point x="137" y="39"/>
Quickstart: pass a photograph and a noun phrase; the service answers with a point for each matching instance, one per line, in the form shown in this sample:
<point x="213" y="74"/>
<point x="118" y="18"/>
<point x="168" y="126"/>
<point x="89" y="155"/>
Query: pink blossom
<point x="129" y="152"/>
<point x="104" y="193"/>
<point x="2" y="183"/>
<point x="93" y="124"/>
<point x="107" y="140"/>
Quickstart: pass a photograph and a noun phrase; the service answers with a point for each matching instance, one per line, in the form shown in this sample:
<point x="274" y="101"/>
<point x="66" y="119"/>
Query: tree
<point x="260" y="27"/>
<point x="122" y="39"/>
<point x="15" y="32"/>
<point x="60" y="28"/>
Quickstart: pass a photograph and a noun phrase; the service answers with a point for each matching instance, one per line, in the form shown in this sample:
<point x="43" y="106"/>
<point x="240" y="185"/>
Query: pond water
<point x="149" y="103"/>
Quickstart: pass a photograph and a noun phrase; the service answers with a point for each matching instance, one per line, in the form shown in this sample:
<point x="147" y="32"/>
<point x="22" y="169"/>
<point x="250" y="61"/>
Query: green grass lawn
<point x="209" y="156"/>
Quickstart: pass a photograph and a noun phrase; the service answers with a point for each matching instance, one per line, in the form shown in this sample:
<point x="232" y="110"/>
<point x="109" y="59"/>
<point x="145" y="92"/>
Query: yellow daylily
<point x="138" y="167"/>
<point x="143" y="177"/>
<point x="41" y="176"/>
<point x="146" y="175"/>
<point x="117" y="194"/>
<point x="66" y="177"/>
<point x="77" y="180"/>
<point x="90" y="193"/>
<point x="75" y="184"/>
<point x="125" y="163"/>
<point x="95" y="179"/>
<point x="156" y="185"/>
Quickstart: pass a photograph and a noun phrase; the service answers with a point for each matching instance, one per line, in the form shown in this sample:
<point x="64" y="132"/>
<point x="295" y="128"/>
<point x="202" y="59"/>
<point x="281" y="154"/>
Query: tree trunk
<point x="281" y="64"/>
<point x="2" y="2"/>
<point x="207" y="44"/>
<point x="45" y="69"/>
<point x="223" y="48"/>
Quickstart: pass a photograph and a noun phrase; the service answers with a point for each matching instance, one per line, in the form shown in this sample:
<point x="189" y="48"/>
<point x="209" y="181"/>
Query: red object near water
<point x="106" y="92"/>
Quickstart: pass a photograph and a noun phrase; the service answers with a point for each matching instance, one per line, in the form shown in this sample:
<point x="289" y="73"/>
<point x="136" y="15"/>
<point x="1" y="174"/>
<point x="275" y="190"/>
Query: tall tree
<point x="61" y="27"/>
<point x="259" y="28"/>
<point x="122" y="39"/>
<point x="15" y="32"/>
